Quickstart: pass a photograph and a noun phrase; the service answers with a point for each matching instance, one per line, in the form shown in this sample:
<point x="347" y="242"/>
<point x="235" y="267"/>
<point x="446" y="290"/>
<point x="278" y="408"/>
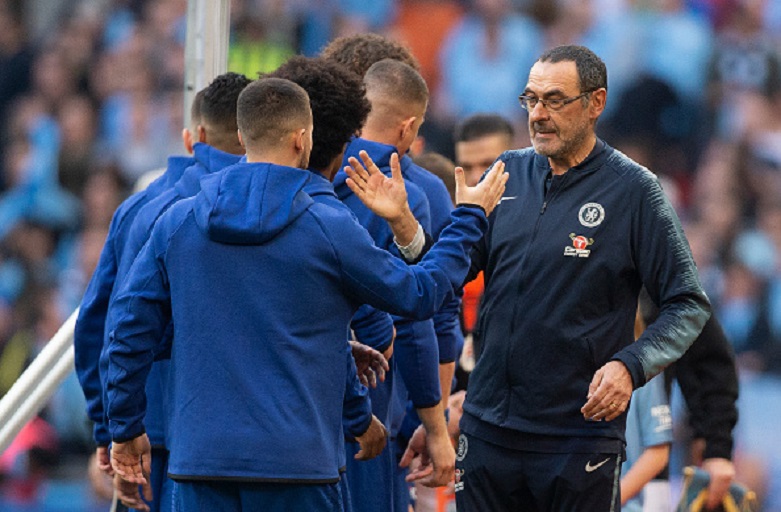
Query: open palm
<point x="385" y="197"/>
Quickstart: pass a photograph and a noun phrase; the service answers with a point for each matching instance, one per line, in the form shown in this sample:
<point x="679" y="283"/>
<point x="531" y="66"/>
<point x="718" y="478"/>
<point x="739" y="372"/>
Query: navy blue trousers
<point x="370" y="481"/>
<point x="499" y="479"/>
<point x="199" y="496"/>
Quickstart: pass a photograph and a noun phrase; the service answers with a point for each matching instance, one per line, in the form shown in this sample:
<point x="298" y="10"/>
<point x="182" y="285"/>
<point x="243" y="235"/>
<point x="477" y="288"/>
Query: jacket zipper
<point x="551" y="193"/>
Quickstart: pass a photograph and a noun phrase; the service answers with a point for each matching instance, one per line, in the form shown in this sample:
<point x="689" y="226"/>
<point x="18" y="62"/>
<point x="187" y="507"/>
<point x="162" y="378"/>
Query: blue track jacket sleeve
<point x="370" y="275"/>
<point x="357" y="408"/>
<point x="88" y="335"/>
<point x="664" y="260"/>
<point x="373" y="327"/>
<point x="144" y="315"/>
<point x="447" y="322"/>
<point x="417" y="350"/>
<point x="416" y="355"/>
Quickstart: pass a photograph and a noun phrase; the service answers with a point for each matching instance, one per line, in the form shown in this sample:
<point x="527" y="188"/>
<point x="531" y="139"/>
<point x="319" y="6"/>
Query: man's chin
<point x="544" y="147"/>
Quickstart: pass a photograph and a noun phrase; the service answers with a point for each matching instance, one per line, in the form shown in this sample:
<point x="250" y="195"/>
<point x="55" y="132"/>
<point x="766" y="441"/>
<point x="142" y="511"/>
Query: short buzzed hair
<point x="219" y="100"/>
<point x="478" y="126"/>
<point x="195" y="109"/>
<point x="391" y="84"/>
<point x="270" y="108"/>
<point x="338" y="100"/>
<point x="592" y="72"/>
<point x="360" y="51"/>
<point x="217" y="110"/>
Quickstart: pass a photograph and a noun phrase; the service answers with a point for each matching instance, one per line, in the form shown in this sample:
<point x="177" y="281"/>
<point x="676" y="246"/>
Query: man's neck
<point x="560" y="166"/>
<point x="284" y="158"/>
<point x="378" y="135"/>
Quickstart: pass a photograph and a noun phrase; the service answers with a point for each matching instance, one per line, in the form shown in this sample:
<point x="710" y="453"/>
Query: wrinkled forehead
<point x="549" y="78"/>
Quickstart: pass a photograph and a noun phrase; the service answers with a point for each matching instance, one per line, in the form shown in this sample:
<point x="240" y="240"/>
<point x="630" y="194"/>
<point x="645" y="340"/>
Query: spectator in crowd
<point x="479" y="140"/>
<point x="491" y="41"/>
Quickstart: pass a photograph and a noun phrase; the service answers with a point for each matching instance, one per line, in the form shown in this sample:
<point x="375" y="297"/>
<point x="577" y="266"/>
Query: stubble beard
<point x="560" y="148"/>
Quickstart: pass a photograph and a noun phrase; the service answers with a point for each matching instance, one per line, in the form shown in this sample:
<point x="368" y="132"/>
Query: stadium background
<point x="91" y="99"/>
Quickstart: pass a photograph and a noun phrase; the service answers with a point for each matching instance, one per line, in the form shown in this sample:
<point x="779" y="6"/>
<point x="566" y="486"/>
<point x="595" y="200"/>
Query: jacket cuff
<point x="128" y="434"/>
<point x="100" y="434"/>
<point x="472" y="205"/>
<point x="718" y="449"/>
<point x="362" y="427"/>
<point x="634" y="366"/>
<point x="414" y="249"/>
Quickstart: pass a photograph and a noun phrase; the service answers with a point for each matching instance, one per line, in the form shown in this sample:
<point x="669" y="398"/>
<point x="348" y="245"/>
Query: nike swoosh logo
<point x="590" y="468"/>
<point x="506" y="198"/>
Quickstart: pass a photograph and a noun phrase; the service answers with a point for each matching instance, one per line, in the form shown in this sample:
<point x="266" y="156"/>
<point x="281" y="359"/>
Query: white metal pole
<point x="41" y="365"/>
<point x="206" y="50"/>
<point x="36" y="399"/>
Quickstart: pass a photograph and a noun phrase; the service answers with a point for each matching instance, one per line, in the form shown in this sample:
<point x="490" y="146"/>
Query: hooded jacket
<point x="206" y="160"/>
<point x="563" y="266"/>
<point x="415" y="356"/>
<point x="90" y="331"/>
<point x="261" y="282"/>
<point x="370" y="326"/>
<point x="447" y="322"/>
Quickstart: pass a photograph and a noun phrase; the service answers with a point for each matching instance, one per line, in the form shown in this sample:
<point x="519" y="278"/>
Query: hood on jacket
<point x="250" y="203"/>
<point x="319" y="185"/>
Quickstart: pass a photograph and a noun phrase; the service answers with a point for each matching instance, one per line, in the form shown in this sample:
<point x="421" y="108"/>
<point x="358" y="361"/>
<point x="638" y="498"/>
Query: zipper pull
<point x="544" y="205"/>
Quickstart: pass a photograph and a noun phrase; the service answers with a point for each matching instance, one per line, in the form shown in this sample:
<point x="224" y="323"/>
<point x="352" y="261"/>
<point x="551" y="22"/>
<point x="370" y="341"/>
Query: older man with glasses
<point x="580" y="229"/>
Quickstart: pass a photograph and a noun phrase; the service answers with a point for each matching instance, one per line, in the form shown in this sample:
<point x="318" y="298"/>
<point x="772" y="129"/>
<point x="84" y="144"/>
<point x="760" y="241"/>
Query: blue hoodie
<point x="261" y="283"/>
<point x="371" y="326"/>
<point x="415" y="350"/>
<point x="447" y="322"/>
<point x="90" y="331"/>
<point x="207" y="159"/>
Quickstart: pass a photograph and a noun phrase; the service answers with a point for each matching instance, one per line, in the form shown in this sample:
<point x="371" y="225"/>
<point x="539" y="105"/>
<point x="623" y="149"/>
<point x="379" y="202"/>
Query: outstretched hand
<point x="487" y="193"/>
<point x="386" y="197"/>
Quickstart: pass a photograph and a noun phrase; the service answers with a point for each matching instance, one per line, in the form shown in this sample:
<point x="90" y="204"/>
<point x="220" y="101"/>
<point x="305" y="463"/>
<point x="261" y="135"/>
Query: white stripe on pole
<point x="206" y="49"/>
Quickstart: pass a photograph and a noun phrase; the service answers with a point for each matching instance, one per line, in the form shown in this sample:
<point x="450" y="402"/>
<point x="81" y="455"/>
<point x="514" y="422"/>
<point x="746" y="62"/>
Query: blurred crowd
<point x="91" y="100"/>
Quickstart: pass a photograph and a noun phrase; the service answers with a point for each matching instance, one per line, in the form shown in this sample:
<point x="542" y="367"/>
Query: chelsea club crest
<point x="591" y="215"/>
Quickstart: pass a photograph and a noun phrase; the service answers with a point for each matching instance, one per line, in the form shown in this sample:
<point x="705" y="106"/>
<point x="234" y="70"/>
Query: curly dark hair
<point x="338" y="100"/>
<point x="358" y="52"/>
<point x="218" y="102"/>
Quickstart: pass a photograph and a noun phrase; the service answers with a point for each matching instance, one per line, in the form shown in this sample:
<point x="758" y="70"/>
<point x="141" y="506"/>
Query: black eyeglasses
<point x="554" y="104"/>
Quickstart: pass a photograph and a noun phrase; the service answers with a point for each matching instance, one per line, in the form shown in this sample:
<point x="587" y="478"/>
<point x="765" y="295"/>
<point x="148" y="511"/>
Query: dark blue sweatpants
<point x="199" y="496"/>
<point x="370" y="481"/>
<point x="500" y="479"/>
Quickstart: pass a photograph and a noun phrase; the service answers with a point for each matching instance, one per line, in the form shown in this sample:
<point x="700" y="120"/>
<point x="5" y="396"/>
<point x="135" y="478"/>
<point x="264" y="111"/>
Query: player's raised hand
<point x="386" y="197"/>
<point x="487" y="193"/>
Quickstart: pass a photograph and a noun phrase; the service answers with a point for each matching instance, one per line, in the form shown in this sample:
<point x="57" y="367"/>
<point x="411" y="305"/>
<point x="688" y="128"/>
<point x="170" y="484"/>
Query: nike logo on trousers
<point x="590" y="468"/>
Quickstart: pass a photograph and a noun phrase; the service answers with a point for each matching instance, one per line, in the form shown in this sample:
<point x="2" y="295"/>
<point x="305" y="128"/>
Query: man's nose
<point x="539" y="112"/>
